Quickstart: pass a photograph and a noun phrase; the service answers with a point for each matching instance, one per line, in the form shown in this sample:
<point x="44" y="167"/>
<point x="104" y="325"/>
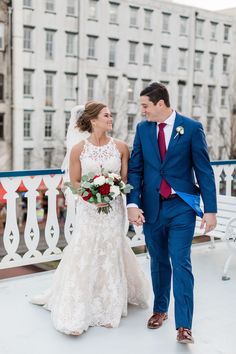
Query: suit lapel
<point x="153" y="138"/>
<point x="174" y="138"/>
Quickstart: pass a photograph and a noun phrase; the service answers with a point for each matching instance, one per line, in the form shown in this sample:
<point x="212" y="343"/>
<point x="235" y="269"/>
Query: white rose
<point x="114" y="175"/>
<point x="115" y="190"/>
<point x="99" y="181"/>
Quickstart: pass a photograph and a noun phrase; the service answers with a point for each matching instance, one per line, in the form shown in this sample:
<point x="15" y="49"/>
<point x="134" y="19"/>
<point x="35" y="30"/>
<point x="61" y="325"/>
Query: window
<point x="131" y="90"/>
<point x="199" y="28"/>
<point x="91" y="84"/>
<point x="225" y="63"/>
<point x="49" y="89"/>
<point x="67" y="121"/>
<point x="112" y="51"/>
<point x="48" y="125"/>
<point x="27" y="159"/>
<point x="198" y="60"/>
<point x="27" y="90"/>
<point x="113" y="12"/>
<point x="48" y="154"/>
<point x="145" y="83"/>
<point x="133" y="16"/>
<point x="209" y="124"/>
<point x="27" y="3"/>
<point x="1" y="126"/>
<point x="222" y="126"/>
<point x="1" y="87"/>
<point x="146" y="53"/>
<point x="148" y="19"/>
<point x="71" y="10"/>
<point x="211" y="90"/>
<point x="197" y="94"/>
<point x="131" y="118"/>
<point x="182" y="58"/>
<point x="1" y="36"/>
<point x="111" y="92"/>
<point x="93" y="9"/>
<point x="212" y="64"/>
<point x="181" y="85"/>
<point x="223" y="96"/>
<point x="50" y="44"/>
<point x="165" y="83"/>
<point x="70" y="86"/>
<point x="132" y="51"/>
<point x="27" y="124"/>
<point x="71" y="44"/>
<point x="183" y="25"/>
<point x="164" y="58"/>
<point x="92" y="46"/>
<point x="226" y="33"/>
<point x="165" y="22"/>
<point x="213" y="33"/>
<point x="27" y="43"/>
<point x="50" y="5"/>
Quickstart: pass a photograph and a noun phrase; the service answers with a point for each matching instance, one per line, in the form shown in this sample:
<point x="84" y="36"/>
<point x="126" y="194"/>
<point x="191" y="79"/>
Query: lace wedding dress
<point x="98" y="275"/>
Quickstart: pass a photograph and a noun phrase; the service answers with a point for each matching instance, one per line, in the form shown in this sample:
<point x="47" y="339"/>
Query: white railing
<point x="32" y="233"/>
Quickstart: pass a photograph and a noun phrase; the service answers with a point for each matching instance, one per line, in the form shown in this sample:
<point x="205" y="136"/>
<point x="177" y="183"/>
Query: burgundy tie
<point x="165" y="189"/>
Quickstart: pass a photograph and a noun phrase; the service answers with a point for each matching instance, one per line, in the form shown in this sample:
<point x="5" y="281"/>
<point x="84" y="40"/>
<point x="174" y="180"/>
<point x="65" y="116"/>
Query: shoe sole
<point x="186" y="341"/>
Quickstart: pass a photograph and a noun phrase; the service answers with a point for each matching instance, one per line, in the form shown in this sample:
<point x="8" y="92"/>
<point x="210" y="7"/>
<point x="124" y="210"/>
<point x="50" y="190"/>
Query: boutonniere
<point x="179" y="131"/>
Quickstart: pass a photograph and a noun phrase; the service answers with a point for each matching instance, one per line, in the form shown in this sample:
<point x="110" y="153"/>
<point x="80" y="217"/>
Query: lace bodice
<point x="94" y="158"/>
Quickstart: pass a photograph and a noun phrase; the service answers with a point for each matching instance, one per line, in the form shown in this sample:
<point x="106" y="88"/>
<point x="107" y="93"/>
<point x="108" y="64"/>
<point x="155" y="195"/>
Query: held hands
<point x="135" y="216"/>
<point x="208" y="222"/>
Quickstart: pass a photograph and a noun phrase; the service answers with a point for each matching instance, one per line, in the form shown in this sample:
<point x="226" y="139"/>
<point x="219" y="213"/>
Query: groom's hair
<point x="156" y="92"/>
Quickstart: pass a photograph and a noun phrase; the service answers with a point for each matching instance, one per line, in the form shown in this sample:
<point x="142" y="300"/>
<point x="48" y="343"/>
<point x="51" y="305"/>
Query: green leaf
<point x="107" y="199"/>
<point x="98" y="196"/>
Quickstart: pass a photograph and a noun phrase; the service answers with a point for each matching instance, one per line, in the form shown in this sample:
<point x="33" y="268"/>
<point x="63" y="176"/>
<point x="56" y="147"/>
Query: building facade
<point x="5" y="86"/>
<point x="68" y="52"/>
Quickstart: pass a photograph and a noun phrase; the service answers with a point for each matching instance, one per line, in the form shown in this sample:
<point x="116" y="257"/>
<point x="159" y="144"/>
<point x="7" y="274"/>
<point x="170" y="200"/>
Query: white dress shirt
<point x="170" y="121"/>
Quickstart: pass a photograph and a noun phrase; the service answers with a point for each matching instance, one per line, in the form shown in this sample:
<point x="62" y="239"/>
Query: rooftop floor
<point x="27" y="329"/>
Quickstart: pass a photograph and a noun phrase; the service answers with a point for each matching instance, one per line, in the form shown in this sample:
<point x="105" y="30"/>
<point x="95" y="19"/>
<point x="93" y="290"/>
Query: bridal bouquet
<point x="102" y="188"/>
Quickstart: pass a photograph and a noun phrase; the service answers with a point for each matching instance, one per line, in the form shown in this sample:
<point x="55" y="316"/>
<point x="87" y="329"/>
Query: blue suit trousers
<point x="169" y="242"/>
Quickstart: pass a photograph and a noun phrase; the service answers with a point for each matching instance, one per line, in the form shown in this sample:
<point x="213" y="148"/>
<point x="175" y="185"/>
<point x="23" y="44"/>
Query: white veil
<point x="73" y="137"/>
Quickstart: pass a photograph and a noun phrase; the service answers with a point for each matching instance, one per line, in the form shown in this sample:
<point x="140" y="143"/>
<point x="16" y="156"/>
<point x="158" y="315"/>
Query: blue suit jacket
<point x="187" y="154"/>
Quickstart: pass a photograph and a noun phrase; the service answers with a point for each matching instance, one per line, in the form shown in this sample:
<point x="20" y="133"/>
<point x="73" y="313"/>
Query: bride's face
<point x="104" y="120"/>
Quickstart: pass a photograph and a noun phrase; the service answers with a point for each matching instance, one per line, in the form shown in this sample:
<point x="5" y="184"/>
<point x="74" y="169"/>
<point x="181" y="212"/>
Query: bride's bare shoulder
<point x="121" y="145"/>
<point x="78" y="148"/>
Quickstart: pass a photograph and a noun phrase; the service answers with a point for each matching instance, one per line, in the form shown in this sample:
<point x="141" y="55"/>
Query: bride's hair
<point x="91" y="111"/>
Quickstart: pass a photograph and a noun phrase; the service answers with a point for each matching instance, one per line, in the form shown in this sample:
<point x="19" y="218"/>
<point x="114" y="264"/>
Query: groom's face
<point x="150" y="110"/>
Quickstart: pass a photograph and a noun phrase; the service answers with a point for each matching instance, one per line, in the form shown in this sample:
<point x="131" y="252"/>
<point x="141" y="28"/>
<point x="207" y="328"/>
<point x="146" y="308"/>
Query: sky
<point x="209" y="4"/>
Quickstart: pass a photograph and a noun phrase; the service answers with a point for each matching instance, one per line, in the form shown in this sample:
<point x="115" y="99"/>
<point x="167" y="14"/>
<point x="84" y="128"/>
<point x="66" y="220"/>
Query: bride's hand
<point x="101" y="205"/>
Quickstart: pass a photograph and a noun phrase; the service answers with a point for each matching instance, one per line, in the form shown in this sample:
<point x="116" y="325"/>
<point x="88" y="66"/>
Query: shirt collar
<point x="171" y="119"/>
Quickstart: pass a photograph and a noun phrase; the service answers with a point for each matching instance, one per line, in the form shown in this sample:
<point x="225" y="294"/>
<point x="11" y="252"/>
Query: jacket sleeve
<point x="203" y="170"/>
<point x="135" y="171"/>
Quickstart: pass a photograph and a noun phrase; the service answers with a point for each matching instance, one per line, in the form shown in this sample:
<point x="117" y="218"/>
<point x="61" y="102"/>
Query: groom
<point x="169" y="157"/>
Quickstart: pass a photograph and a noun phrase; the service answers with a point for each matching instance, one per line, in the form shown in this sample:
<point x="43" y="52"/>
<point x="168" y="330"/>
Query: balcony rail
<point x="42" y="236"/>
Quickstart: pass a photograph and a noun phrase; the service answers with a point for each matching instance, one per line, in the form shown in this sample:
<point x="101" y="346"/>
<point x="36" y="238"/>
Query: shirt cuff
<point x="132" y="205"/>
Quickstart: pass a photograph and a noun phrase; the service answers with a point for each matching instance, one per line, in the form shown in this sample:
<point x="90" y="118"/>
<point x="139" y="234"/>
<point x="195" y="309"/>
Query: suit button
<point x="161" y="172"/>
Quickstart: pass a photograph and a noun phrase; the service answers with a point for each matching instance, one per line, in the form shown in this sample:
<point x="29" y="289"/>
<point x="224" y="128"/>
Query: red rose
<point x="87" y="197"/>
<point x="104" y="189"/>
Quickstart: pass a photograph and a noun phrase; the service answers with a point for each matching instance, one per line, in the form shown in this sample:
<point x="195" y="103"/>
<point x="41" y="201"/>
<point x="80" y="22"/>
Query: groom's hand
<point x="208" y="222"/>
<point x="135" y="216"/>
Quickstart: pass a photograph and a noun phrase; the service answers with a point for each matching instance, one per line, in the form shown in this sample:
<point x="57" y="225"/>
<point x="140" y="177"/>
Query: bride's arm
<point x="124" y="151"/>
<point x="75" y="165"/>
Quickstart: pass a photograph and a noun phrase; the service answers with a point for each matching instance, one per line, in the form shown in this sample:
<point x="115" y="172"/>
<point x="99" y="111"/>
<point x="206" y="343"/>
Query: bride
<point x="98" y="275"/>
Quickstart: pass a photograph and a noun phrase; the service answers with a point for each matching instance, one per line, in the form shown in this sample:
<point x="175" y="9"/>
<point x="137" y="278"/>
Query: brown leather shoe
<point x="184" y="335"/>
<point x="156" y="320"/>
